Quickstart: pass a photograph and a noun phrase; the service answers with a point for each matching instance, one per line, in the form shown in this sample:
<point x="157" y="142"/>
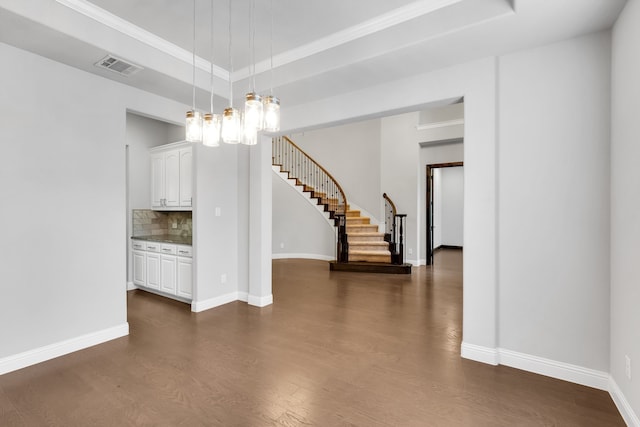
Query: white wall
<point x="449" y="206"/>
<point x="219" y="245"/>
<point x="625" y="205"/>
<point x="351" y="154"/>
<point x="442" y="123"/>
<point x="298" y="226"/>
<point x="63" y="135"/>
<point x="553" y="197"/>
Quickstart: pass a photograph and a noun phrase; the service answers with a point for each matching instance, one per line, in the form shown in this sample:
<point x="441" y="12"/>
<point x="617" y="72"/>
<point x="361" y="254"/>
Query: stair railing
<point x="394" y="224"/>
<point x="317" y="180"/>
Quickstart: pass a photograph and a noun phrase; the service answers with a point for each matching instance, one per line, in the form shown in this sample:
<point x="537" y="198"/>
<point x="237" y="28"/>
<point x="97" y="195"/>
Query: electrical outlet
<point x="174" y="225"/>
<point x="281" y="245"/>
<point x="627" y="366"/>
<point x="218" y="212"/>
<point x="223" y="278"/>
<point x="410" y="251"/>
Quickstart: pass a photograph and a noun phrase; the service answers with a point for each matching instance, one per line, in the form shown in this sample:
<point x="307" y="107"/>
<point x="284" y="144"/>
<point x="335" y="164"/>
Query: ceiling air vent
<point x="118" y="65"/>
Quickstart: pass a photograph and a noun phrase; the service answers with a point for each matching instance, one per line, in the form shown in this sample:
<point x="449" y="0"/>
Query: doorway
<point x="435" y="203"/>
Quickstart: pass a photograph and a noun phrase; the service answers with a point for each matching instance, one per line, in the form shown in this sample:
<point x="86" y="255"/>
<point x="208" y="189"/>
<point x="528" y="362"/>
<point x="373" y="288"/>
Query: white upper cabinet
<point x="172" y="177"/>
<point x="157" y="180"/>
<point x="186" y="177"/>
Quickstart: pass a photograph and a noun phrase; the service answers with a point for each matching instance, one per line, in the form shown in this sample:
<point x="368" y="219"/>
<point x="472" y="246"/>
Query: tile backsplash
<point x="153" y="223"/>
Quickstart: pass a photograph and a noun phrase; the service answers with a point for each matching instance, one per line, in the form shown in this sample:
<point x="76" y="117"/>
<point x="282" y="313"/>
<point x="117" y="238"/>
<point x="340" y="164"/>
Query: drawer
<point x="152" y="247"/>
<point x="185" y="251"/>
<point x="138" y="245"/>
<point x="168" y="249"/>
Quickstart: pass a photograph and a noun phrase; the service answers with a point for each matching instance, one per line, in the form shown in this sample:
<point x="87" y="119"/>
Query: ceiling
<point x="320" y="48"/>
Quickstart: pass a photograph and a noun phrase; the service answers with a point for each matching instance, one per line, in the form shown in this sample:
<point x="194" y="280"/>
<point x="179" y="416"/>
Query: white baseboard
<point x="303" y="256"/>
<point x="51" y="351"/>
<point x="131" y="286"/>
<point x="551" y="368"/>
<point x="260" y="301"/>
<point x="479" y="353"/>
<point x="538" y="365"/>
<point x="198" y="306"/>
<point x="623" y="405"/>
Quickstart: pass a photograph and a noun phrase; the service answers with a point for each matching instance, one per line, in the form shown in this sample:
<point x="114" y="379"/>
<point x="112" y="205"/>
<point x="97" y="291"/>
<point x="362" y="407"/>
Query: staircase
<point x="361" y="246"/>
<point x="366" y="243"/>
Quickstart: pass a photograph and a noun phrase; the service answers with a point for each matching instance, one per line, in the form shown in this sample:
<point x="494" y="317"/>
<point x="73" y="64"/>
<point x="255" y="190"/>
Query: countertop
<point x="166" y="238"/>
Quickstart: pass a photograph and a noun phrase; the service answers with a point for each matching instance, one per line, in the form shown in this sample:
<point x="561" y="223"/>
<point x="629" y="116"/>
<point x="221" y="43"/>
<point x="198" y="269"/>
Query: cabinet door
<point x="172" y="178"/>
<point x="153" y="270"/>
<point x="186" y="179"/>
<point x="168" y="274"/>
<point x="185" y="277"/>
<point x="157" y="180"/>
<point x="139" y="267"/>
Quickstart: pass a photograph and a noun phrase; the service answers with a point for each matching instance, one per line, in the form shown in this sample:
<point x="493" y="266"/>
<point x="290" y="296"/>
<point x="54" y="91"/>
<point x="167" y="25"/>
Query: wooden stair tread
<point x="359" y="252"/>
<point x="369" y="242"/>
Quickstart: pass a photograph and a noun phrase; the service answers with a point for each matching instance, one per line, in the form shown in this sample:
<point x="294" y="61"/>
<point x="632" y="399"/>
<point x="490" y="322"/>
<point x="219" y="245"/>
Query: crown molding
<point x="442" y="124"/>
<point x="366" y="28"/>
<point x="125" y="27"/>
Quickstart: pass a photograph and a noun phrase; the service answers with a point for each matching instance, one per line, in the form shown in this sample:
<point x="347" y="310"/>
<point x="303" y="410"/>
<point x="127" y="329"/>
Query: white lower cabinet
<point x="163" y="267"/>
<point x="139" y="269"/>
<point x="168" y="273"/>
<point x="153" y="271"/>
<point x="185" y="277"/>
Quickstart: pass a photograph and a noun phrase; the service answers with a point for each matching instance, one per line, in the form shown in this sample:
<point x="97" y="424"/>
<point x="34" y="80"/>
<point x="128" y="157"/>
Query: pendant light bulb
<point x="253" y="111"/>
<point x="231" y="131"/>
<point x="249" y="132"/>
<point x="211" y="130"/>
<point x="271" y="114"/>
<point x="194" y="126"/>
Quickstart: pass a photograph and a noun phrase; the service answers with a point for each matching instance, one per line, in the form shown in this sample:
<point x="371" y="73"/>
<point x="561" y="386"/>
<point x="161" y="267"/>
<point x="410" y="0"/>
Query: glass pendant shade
<point x="271" y="114"/>
<point x="231" y="130"/>
<point x="211" y="130"/>
<point x="194" y="126"/>
<point x="253" y="111"/>
<point x="249" y="133"/>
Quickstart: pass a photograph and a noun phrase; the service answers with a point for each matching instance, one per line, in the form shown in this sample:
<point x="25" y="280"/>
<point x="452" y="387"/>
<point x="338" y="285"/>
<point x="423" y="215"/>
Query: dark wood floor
<point x="335" y="349"/>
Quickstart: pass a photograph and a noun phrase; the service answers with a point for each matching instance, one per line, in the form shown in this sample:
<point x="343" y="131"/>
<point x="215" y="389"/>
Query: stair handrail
<point x="394" y="230"/>
<point x="326" y="172"/>
<point x="393" y="205"/>
<point x="324" y="186"/>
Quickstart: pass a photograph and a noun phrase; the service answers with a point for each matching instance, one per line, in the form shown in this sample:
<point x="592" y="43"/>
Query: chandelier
<point x="234" y="126"/>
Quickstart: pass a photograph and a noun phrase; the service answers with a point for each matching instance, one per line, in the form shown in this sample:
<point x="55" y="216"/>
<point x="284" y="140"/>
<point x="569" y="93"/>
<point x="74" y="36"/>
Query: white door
<point x="185" y="277"/>
<point x="157" y="180"/>
<point x="172" y="178"/>
<point x="138" y="268"/>
<point x="168" y="274"/>
<point x="186" y="193"/>
<point x="153" y="270"/>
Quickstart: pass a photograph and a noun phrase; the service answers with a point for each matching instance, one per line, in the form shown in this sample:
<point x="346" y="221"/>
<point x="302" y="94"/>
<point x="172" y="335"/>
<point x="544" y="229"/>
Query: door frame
<point x="430" y="168"/>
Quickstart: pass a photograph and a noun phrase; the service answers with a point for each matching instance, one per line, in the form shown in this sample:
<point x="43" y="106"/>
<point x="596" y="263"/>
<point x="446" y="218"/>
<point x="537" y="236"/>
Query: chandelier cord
<point x="253" y="44"/>
<point x="230" y="61"/>
<point x="211" y="67"/>
<point x="271" y="50"/>
<point x="193" y="101"/>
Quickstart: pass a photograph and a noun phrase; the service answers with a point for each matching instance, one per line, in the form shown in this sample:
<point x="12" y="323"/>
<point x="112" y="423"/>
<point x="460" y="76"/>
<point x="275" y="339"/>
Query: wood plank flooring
<point x="335" y="349"/>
